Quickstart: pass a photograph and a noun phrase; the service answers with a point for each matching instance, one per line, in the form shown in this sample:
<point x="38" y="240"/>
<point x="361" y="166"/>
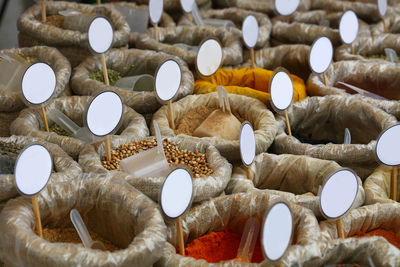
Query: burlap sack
<point x="204" y="187"/>
<point x="129" y="62"/>
<point x="289" y="176"/>
<point x="65" y="168"/>
<point x="229" y="38"/>
<point x="264" y="6"/>
<point x="232" y="211"/>
<point x="11" y="101"/>
<point x="368" y="251"/>
<point x="250" y="109"/>
<point x="304" y="28"/>
<point x="108" y="206"/>
<point x="378" y="186"/>
<point x="165" y="21"/>
<point x="379" y="78"/>
<point x="173" y="6"/>
<point x="294" y="58"/>
<point x="392" y="26"/>
<point x="30" y="123"/>
<point x="365" y="47"/>
<point x="366" y="219"/>
<point x="237" y="16"/>
<point x="72" y="44"/>
<point x="324" y="119"/>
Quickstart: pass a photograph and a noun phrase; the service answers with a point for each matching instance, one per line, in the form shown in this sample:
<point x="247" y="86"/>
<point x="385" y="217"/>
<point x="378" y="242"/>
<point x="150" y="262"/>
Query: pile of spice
<point x="58" y="130"/>
<point x="113" y="76"/>
<point x="69" y="235"/>
<point x="219" y="246"/>
<point x="54" y="20"/>
<point x="376" y="56"/>
<point x="192" y="120"/>
<point x="196" y="161"/>
<point x="8" y="155"/>
<point x="388" y="234"/>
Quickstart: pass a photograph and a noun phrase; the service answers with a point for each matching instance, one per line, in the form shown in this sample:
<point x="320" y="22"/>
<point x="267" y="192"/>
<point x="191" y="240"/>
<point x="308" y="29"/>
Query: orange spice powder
<point x="219" y="246"/>
<point x="388" y="234"/>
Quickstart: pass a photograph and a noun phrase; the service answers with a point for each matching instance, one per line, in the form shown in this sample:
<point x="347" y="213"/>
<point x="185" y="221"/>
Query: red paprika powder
<point x="389" y="235"/>
<point x="219" y="246"/>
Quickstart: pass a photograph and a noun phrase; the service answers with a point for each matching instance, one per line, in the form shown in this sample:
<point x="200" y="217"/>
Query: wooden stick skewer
<point x="288" y="123"/>
<point x="171" y="115"/>
<point x="46" y="125"/>
<point x="287" y="19"/>
<point x="156" y="37"/>
<point x="325" y="79"/>
<point x="393" y="184"/>
<point x="339" y="224"/>
<point x="44" y="17"/>
<point x="352" y="49"/>
<point x="253" y="63"/>
<point x="384" y="25"/>
<point x="108" y="147"/>
<point x="98" y="2"/>
<point x="105" y="72"/>
<point x="190" y="18"/>
<point x="36" y="212"/>
<point x="248" y="173"/>
<point x="180" y="237"/>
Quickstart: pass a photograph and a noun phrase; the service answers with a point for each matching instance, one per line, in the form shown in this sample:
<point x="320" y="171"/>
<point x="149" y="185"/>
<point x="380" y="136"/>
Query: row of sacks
<point x="134" y="226"/>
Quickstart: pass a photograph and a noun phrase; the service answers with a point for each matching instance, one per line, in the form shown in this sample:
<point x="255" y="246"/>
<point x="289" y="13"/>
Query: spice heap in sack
<point x="184" y="41"/>
<point x="197" y="162"/>
<point x="72" y="39"/>
<point x="235" y="17"/>
<point x="189" y="111"/>
<point x="213" y="171"/>
<point x="87" y="78"/>
<point x="122" y="216"/>
<point x="378" y="220"/>
<point x="219" y="223"/>
<point x="247" y="81"/>
<point x="318" y="128"/>
<point x="30" y="123"/>
<point x="380" y="79"/>
<point x="64" y="168"/>
<point x="296" y="178"/>
<point x="378" y="186"/>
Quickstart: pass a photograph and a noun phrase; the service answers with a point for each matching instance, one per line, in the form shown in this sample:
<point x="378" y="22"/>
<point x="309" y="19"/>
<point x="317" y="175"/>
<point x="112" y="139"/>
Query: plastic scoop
<point x="391" y="55"/>
<point x="12" y="68"/>
<point x="137" y="18"/>
<point x="249" y="239"/>
<point x="149" y="163"/>
<point x="324" y="23"/>
<point x="83" y="233"/>
<point x="347" y="137"/>
<point x="192" y="48"/>
<point x="362" y="91"/>
<point x="211" y="22"/>
<point x="196" y="15"/>
<point x="144" y="82"/>
<point x="75" y="20"/>
<point x="71" y="127"/>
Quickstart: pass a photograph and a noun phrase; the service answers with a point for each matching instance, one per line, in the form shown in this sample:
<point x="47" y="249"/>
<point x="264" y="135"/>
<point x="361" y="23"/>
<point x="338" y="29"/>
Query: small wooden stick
<point x="393" y="184"/>
<point x="352" y="49"/>
<point x="156" y="37"/>
<point x="339" y="224"/>
<point x="280" y="264"/>
<point x="384" y="25"/>
<point x="105" y="72"/>
<point x="171" y="115"/>
<point x="36" y="212"/>
<point x="325" y="79"/>
<point x="253" y="63"/>
<point x="190" y="18"/>
<point x="98" y="2"/>
<point x="248" y="174"/>
<point x="46" y="125"/>
<point x="44" y="17"/>
<point x="288" y="123"/>
<point x="180" y="237"/>
<point x="108" y="147"/>
<point x="287" y="19"/>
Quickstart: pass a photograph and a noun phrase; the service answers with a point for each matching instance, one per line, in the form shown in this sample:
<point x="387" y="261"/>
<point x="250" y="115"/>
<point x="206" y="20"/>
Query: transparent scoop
<point x="71" y="127"/>
<point x="149" y="163"/>
<point x="362" y="91"/>
<point x="12" y="68"/>
<point x="211" y="22"/>
<point x="83" y="233"/>
<point x="249" y="239"/>
<point x="347" y="137"/>
<point x="144" y="82"/>
<point x="391" y="55"/>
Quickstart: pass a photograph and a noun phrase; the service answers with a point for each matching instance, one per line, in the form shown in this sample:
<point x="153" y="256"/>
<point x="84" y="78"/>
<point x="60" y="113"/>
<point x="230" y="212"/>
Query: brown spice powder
<point x="55" y="20"/>
<point x="191" y="120"/>
<point x="69" y="235"/>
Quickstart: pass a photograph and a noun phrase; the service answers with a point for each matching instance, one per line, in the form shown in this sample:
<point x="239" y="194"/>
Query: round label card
<point x="321" y="54"/>
<point x="100" y="35"/>
<point x="38" y="83"/>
